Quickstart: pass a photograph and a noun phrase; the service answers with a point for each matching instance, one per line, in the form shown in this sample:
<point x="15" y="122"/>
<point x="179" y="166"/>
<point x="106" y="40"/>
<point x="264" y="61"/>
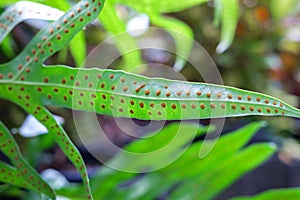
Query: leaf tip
<point x="273" y="146"/>
<point x="223" y="46"/>
<point x="263" y="124"/>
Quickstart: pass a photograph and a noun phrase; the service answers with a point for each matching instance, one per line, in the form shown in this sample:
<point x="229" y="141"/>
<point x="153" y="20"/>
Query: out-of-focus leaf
<point x="189" y="176"/>
<point x="123" y="41"/>
<point x="182" y="35"/>
<point x="166" y="135"/>
<point x="229" y="18"/>
<point x="214" y="181"/>
<point x="226" y="12"/>
<point x="221" y="157"/>
<point x="165" y="6"/>
<point x="160" y="149"/>
<point x="78" y="48"/>
<point x="278" y="194"/>
<point x="62" y="4"/>
<point x="280" y="10"/>
<point x="225" y="146"/>
<point x="217" y="12"/>
<point x="7" y="47"/>
<point x="36" y="145"/>
<point x="7" y="2"/>
<point x="107" y="180"/>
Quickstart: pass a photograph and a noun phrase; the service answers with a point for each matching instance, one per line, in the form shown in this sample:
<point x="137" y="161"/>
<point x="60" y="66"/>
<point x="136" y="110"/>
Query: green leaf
<point x="166" y="6"/>
<point x="7" y="47"/>
<point x="162" y="146"/>
<point x="224" y="156"/>
<point x="224" y="148"/>
<point x="147" y="98"/>
<point x="229" y="18"/>
<point x="181" y="32"/>
<point x="78" y="48"/>
<point x="22" y="11"/>
<point x="7" y="2"/>
<point x="26" y="82"/>
<point x="287" y="193"/>
<point x="188" y="177"/>
<point x="227" y="11"/>
<point x="279" y="10"/>
<point x="22" y="174"/>
<point x="77" y="45"/>
<point x="182" y="35"/>
<point x="124" y="42"/>
<point x="50" y="39"/>
<point x="222" y="176"/>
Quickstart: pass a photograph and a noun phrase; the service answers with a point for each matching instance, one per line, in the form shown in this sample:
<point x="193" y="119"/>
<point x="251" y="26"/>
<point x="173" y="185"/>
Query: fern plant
<point x="27" y="82"/>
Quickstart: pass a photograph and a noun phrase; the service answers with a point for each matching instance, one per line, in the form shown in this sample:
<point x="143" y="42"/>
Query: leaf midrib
<point x="122" y="94"/>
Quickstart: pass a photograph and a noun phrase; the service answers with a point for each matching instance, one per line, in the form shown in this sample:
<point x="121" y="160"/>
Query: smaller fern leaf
<point x="62" y="139"/>
<point x="22" y="11"/>
<point x="23" y="174"/>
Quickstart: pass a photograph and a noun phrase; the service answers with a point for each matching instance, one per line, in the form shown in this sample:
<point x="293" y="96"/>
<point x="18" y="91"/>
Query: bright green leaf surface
<point x="78" y="48"/>
<point x="123" y="41"/>
<point x="229" y="18"/>
<point x="22" y="174"/>
<point x="166" y="6"/>
<point x="7" y="47"/>
<point x="22" y="11"/>
<point x="278" y="194"/>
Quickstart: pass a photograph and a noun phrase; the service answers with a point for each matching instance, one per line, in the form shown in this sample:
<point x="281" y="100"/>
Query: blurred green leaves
<point x="226" y="13"/>
<point x="280" y="10"/>
<point x="188" y="177"/>
<point x="279" y="194"/>
<point x="123" y="41"/>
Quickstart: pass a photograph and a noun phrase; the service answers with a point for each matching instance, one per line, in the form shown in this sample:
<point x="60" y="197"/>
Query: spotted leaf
<point x="30" y="61"/>
<point x="22" y="174"/>
<point x="24" y="10"/>
<point x="31" y="85"/>
<point x="123" y="94"/>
